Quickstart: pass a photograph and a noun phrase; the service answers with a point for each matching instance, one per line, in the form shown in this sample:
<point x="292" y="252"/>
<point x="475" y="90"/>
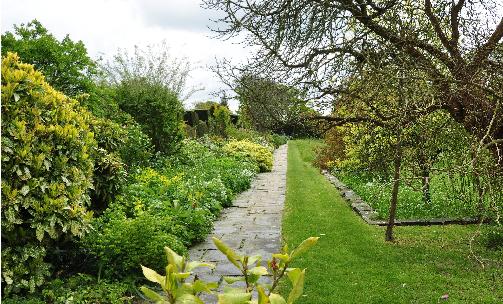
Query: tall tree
<point x="454" y="45"/>
<point x="65" y="64"/>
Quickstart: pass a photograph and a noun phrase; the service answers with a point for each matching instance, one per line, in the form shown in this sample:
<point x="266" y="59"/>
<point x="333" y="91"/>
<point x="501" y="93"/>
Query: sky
<point x="107" y="25"/>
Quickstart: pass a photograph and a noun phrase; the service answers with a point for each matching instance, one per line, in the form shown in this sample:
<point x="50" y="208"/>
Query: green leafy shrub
<point x="121" y="133"/>
<point x="252" y="151"/>
<point x="121" y="243"/>
<point x="236" y="175"/>
<point x="278" y="139"/>
<point x="157" y="109"/>
<point x="250" y="135"/>
<point x="137" y="149"/>
<point x="221" y="120"/>
<point x="78" y="289"/>
<point x="46" y="172"/>
<point x="109" y="171"/>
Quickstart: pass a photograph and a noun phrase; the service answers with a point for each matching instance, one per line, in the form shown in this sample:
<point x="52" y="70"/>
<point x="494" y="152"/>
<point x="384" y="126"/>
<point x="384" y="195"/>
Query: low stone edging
<point x="369" y="215"/>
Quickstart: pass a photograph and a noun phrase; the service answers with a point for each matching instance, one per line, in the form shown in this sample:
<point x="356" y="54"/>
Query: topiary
<point x="252" y="151"/>
<point x="46" y="173"/>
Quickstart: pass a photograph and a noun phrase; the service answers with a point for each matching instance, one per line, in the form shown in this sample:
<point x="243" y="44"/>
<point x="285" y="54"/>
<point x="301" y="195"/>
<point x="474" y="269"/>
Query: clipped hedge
<point x="46" y="173"/>
<point x="252" y="151"/>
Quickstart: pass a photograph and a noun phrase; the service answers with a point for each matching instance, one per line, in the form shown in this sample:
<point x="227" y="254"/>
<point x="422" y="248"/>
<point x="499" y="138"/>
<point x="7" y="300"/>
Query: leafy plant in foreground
<point x="177" y="289"/>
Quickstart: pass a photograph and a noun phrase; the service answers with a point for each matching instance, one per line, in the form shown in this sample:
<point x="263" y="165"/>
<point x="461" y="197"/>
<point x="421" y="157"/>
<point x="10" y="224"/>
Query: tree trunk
<point x="426" y="188"/>
<point x="394" y="193"/>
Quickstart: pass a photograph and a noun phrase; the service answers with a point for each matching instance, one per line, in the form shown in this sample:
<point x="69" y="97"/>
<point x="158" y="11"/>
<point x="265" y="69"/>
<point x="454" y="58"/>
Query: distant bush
<point x="252" y="151"/>
<point x="221" y="120"/>
<point x="46" y="173"/>
<point x="278" y="140"/>
<point x="157" y="109"/>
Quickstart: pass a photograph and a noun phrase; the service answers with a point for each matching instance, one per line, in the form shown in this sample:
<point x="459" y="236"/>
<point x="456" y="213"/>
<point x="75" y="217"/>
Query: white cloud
<point x="106" y="25"/>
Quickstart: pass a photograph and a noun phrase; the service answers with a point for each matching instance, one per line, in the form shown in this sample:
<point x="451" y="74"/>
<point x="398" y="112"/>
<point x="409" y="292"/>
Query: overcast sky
<point x="106" y="25"/>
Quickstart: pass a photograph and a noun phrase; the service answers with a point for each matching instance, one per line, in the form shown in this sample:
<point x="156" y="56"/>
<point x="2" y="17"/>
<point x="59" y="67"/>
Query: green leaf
<point x="153" y="276"/>
<point x="262" y="297"/>
<point x="200" y="286"/>
<point x="174" y="259"/>
<point x="195" y="264"/>
<point x="232" y="280"/>
<point x="152" y="295"/>
<point x="283" y="257"/>
<point x="24" y="190"/>
<point x="303" y="247"/>
<point x="260" y="271"/>
<point x="228" y="252"/>
<point x="182" y="275"/>
<point x="296" y="276"/>
<point x="253" y="259"/>
<point x="234" y="298"/>
<point x="188" y="299"/>
<point x="276" y="299"/>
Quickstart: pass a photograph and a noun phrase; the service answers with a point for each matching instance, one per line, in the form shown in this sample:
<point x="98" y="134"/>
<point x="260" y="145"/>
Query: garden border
<point x="368" y="214"/>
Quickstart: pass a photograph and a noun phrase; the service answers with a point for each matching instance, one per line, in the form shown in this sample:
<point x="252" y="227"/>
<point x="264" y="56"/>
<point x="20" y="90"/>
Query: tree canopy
<point x="65" y="64"/>
<point x="453" y="47"/>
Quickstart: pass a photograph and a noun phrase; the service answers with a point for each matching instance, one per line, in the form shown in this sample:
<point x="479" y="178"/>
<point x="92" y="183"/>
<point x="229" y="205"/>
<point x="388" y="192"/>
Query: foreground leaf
<point x="276" y="299"/>
<point x="228" y="252"/>
<point x="234" y="298"/>
<point x="153" y="276"/>
<point x="303" y="247"/>
<point x="152" y="295"/>
<point x="296" y="276"/>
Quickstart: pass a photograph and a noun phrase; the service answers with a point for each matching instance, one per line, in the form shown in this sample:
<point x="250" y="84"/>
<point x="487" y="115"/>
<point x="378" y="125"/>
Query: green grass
<point x="353" y="264"/>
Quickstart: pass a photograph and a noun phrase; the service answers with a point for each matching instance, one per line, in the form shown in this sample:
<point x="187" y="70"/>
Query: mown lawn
<point x="353" y="264"/>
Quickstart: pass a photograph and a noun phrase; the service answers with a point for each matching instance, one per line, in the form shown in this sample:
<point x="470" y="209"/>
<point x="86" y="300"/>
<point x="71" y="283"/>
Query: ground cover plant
<point x="353" y="263"/>
<point x="444" y="202"/>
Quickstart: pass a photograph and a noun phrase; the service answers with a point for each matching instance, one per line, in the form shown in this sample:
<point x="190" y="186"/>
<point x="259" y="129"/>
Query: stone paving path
<point x="251" y="226"/>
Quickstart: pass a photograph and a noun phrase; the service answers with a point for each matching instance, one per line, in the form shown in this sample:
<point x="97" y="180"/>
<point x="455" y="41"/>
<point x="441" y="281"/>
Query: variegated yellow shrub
<point x="46" y="173"/>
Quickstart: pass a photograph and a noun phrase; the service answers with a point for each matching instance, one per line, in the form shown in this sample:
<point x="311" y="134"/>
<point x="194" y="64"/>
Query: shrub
<point x="249" y="135"/>
<point x="109" y="177"/>
<point x="278" y="140"/>
<point x="46" y="172"/>
<point x="157" y="109"/>
<point x="82" y="289"/>
<point x="78" y="289"/>
<point x="137" y="150"/>
<point x="121" y="243"/>
<point x="221" y="120"/>
<point x="122" y="134"/>
<point x="236" y="175"/>
<point x="254" y="152"/>
<point x="109" y="171"/>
